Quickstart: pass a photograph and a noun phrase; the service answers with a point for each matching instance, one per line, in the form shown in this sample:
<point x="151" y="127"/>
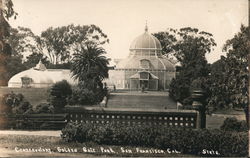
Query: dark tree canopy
<point x="34" y="58"/>
<point x="6" y="58"/>
<point x="6" y="12"/>
<point x="230" y="74"/>
<point x="218" y="90"/>
<point x="189" y="46"/>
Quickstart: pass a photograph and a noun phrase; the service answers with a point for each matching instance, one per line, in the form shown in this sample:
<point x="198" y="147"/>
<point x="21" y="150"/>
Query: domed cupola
<point x="144" y="44"/>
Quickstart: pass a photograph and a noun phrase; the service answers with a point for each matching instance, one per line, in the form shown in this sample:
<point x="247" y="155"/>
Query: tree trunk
<point x="2" y="30"/>
<point x="247" y="106"/>
<point x="246" y="110"/>
<point x="1" y="9"/>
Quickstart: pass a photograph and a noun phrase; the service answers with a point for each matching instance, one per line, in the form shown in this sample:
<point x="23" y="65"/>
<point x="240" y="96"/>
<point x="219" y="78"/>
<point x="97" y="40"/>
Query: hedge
<point x="187" y="141"/>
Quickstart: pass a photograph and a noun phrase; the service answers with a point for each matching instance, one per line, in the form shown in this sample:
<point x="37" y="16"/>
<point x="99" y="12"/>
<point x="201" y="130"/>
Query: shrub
<point x="188" y="141"/>
<point x="23" y="108"/>
<point x="12" y="99"/>
<point x="61" y="89"/>
<point x="84" y="96"/>
<point x="44" y="108"/>
<point x="232" y="124"/>
<point x="5" y="105"/>
<point x="179" y="90"/>
<point x="59" y="93"/>
<point x="15" y="103"/>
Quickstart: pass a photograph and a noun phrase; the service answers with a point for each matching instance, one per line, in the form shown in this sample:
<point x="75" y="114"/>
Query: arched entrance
<point x="143" y="79"/>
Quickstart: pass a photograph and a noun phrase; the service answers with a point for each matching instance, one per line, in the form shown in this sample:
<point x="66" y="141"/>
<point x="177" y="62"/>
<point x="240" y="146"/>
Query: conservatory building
<point x="40" y="77"/>
<point x="145" y="66"/>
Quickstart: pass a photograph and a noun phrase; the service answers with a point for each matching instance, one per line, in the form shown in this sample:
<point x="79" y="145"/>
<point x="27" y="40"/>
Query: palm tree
<point x="90" y="66"/>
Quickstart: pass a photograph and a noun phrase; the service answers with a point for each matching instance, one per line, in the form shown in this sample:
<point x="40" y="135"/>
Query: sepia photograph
<point x="124" y="78"/>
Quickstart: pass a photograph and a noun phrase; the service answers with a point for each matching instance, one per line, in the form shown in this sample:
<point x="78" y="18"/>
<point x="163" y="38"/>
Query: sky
<point x="124" y="20"/>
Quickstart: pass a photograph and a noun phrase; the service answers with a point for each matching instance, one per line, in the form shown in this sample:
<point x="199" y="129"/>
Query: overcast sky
<point x="124" y="20"/>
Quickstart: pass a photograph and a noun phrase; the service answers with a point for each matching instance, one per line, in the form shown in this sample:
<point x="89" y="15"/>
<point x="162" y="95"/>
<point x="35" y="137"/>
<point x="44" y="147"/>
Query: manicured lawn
<point x="12" y="146"/>
<point x="147" y="100"/>
<point x="34" y="95"/>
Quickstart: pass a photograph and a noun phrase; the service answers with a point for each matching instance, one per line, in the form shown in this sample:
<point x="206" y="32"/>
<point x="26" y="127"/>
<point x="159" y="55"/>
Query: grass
<point x="10" y="142"/>
<point x="34" y="95"/>
<point x="152" y="100"/>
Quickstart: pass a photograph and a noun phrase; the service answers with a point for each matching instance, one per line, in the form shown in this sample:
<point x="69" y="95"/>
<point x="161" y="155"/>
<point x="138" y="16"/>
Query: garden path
<point x="39" y="133"/>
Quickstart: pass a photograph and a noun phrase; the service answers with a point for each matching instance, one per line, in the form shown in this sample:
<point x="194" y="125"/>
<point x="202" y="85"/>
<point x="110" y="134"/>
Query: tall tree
<point x="56" y="42"/>
<point x="28" y="47"/>
<point x="22" y="41"/>
<point x="90" y="64"/>
<point x="6" y="12"/>
<point x="60" y="42"/>
<point x="189" y="46"/>
<point x="234" y="74"/>
<point x="90" y="67"/>
<point x="167" y="40"/>
<point x="219" y="93"/>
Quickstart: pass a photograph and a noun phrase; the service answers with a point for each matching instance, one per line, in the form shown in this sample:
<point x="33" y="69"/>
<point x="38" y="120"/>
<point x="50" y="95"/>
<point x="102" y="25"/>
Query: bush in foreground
<point x="188" y="141"/>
